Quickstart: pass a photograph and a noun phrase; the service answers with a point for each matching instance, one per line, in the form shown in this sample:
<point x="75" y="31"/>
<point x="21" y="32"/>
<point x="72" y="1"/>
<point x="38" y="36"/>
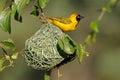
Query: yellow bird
<point x="66" y="24"/>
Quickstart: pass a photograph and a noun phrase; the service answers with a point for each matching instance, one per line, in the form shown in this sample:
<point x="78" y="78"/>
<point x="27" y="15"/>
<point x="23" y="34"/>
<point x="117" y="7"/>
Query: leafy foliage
<point x="94" y="25"/>
<point x="2" y="4"/>
<point x="80" y="52"/>
<point x="43" y="3"/>
<point x="1" y="64"/>
<point x="5" y="22"/>
<point x="108" y="8"/>
<point x="5" y="45"/>
<point x="14" y="9"/>
<point x="35" y="12"/>
<point x="8" y="44"/>
<point x="17" y="7"/>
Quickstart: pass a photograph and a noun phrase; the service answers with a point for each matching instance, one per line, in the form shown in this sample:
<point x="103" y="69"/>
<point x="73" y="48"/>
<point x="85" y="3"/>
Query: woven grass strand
<point x="40" y="50"/>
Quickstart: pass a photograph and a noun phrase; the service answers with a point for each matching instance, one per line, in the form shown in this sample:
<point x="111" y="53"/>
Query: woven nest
<point x="40" y="50"/>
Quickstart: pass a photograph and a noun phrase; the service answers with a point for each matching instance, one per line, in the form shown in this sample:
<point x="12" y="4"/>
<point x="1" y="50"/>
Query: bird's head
<point x="76" y="17"/>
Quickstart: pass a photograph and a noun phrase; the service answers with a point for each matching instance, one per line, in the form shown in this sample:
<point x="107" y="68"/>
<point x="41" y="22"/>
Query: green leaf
<point x="43" y="3"/>
<point x="2" y="4"/>
<point x="14" y="8"/>
<point x="1" y="62"/>
<point x="18" y="17"/>
<point x="80" y="52"/>
<point x="94" y="26"/>
<point x="91" y="38"/>
<point x="5" y="20"/>
<point x="2" y="67"/>
<point x="88" y="39"/>
<point x="108" y="8"/>
<point x="8" y="44"/>
<point x="60" y="44"/>
<point x="66" y="44"/>
<point x="35" y="12"/>
<point x="17" y="7"/>
<point x="20" y="4"/>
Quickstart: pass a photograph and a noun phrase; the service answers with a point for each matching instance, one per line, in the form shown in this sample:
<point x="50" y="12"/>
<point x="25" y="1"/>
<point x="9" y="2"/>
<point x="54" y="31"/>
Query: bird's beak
<point x="82" y="17"/>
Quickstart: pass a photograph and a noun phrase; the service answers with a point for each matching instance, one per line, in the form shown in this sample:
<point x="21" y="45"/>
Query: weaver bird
<point x="66" y="24"/>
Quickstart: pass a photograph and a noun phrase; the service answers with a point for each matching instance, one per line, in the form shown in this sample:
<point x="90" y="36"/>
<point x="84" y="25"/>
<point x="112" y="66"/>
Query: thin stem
<point x="43" y="16"/>
<point x="5" y="52"/>
<point x="102" y="14"/>
<point x="47" y="75"/>
<point x="59" y="74"/>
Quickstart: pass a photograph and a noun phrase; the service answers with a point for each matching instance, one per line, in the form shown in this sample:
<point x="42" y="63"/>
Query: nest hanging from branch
<point x="41" y="50"/>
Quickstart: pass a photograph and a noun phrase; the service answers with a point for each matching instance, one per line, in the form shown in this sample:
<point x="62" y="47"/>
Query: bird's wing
<point x="62" y="20"/>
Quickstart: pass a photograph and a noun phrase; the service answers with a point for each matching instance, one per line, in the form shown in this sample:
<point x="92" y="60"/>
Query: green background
<point x="103" y="64"/>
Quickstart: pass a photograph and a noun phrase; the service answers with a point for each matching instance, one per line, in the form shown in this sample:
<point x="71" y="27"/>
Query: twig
<point x="59" y="74"/>
<point x="5" y="52"/>
<point x="43" y="16"/>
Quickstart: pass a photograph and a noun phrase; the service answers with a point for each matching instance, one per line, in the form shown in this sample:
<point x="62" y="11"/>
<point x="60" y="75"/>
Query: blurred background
<point x="104" y="62"/>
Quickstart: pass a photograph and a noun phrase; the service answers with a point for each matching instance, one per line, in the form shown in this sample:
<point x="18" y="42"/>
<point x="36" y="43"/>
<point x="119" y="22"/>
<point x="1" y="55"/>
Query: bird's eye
<point x="78" y="18"/>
